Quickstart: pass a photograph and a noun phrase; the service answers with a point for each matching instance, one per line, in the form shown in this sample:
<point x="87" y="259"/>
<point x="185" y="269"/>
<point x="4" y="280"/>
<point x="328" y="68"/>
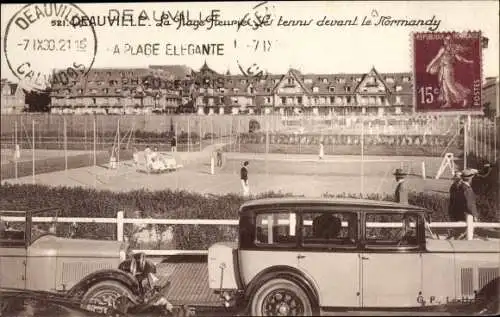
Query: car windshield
<point x="43" y="223"/>
<point x="15" y="230"/>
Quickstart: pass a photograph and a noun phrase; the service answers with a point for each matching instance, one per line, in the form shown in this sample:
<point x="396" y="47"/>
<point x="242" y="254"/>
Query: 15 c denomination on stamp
<point x="39" y="51"/>
<point x="447" y="68"/>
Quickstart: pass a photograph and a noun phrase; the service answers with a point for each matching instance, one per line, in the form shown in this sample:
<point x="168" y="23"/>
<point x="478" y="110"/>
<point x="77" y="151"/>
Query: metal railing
<point x="120" y="222"/>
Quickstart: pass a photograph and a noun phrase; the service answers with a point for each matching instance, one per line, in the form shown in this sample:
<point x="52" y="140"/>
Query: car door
<point x="391" y="267"/>
<point x="331" y="259"/>
<point x="12" y="259"/>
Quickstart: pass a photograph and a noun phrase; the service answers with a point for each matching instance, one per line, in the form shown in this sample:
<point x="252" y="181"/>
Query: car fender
<point x="286" y="272"/>
<point x="105" y="275"/>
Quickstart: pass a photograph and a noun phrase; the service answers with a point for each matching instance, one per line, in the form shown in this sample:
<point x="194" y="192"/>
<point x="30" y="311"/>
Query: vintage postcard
<point x="261" y="158"/>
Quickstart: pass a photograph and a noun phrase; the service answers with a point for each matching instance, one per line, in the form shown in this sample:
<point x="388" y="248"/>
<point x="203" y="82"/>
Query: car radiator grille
<point x="486" y="275"/>
<point x="467" y="284"/>
<point x="73" y="272"/>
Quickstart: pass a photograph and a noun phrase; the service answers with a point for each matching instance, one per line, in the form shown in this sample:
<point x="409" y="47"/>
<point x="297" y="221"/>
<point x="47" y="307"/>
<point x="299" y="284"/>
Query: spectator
<point x="401" y="193"/>
<point x="219" y="157"/>
<point x="466" y="198"/>
<point x="321" y="150"/>
<point x="135" y="157"/>
<point x="244" y="179"/>
<point x="173" y="144"/>
<point x="454" y="188"/>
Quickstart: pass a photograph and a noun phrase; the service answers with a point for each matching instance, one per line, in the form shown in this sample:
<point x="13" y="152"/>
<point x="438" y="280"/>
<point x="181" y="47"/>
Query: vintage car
<point x="302" y="256"/>
<point x="99" y="275"/>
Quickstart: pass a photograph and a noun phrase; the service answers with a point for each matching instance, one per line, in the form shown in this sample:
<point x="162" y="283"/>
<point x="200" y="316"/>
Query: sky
<point x="310" y="49"/>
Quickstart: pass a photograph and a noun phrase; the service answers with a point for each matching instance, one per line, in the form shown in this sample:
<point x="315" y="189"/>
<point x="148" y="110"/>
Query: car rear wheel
<point x="104" y="296"/>
<point x="280" y="297"/>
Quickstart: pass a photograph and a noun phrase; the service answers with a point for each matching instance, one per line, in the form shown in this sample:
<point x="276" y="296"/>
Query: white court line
<point x="325" y="160"/>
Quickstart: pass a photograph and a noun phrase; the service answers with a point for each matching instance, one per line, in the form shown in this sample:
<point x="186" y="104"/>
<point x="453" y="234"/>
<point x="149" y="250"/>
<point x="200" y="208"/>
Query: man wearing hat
<point x="401" y="193"/>
<point x="466" y="198"/>
<point x="454" y="188"/>
<point x="244" y="179"/>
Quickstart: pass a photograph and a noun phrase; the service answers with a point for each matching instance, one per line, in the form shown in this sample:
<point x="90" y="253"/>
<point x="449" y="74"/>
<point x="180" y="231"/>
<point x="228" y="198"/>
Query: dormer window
<point x="236" y="90"/>
<point x="399" y="88"/>
<point x="291" y="81"/>
<point x="347" y="88"/>
<point x="315" y="89"/>
<point x="243" y="81"/>
<point x="268" y="90"/>
<point x="331" y="89"/>
<point x="324" y="80"/>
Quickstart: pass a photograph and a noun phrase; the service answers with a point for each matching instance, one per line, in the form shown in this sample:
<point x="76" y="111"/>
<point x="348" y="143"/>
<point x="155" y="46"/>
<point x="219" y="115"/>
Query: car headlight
<point x="140" y="258"/>
<point x="133" y="266"/>
<point x="123" y="255"/>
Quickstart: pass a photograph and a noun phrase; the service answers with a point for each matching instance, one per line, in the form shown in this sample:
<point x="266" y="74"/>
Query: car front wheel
<point x="104" y="296"/>
<point x="280" y="297"/>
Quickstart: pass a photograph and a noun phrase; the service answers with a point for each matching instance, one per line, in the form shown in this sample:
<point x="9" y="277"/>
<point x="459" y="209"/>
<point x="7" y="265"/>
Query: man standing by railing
<point x="244" y="179"/>
<point x="466" y="209"/>
<point x="401" y="192"/>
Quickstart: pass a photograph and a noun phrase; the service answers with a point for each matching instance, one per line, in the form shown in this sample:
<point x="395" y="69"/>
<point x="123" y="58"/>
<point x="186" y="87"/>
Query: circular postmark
<point x="42" y="46"/>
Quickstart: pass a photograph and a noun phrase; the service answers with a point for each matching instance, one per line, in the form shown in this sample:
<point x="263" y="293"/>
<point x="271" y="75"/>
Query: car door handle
<point x="364" y="257"/>
<point x="300" y="256"/>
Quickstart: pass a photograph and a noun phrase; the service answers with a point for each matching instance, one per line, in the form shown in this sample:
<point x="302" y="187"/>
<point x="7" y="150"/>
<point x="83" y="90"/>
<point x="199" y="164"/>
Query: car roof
<point x="382" y="206"/>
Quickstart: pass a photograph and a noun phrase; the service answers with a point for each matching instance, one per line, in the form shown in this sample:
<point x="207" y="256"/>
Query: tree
<point x="37" y="101"/>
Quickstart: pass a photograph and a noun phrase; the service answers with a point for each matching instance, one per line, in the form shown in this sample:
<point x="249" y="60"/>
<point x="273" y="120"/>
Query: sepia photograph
<point x="272" y="158"/>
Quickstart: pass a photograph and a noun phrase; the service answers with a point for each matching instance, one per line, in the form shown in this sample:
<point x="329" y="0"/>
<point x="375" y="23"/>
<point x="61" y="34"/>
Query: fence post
<point x="65" y="146"/>
<point x="199" y="121"/>
<point x="95" y="140"/>
<point x="470" y="227"/>
<point x="33" y="150"/>
<point x="119" y="226"/>
<point x="423" y="170"/>
<point x="16" y="148"/>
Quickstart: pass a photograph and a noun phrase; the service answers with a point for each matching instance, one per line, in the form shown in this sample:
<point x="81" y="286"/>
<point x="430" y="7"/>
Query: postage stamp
<point x="447" y="68"/>
<point x="41" y="46"/>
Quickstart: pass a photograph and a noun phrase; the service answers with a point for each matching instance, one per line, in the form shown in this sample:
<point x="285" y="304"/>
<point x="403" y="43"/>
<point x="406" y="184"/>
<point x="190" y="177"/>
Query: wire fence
<point x="70" y="141"/>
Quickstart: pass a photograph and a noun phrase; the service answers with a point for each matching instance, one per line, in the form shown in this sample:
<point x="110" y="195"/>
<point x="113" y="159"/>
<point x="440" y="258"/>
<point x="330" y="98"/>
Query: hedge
<point x="82" y="202"/>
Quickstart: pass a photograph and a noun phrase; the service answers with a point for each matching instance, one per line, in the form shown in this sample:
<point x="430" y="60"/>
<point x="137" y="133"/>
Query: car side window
<point x="391" y="230"/>
<point x="321" y="229"/>
<point x="11" y="235"/>
<point x="276" y="229"/>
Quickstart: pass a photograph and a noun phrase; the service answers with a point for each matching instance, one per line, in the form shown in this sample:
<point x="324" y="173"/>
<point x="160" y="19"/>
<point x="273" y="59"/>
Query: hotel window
<point x="332" y="99"/>
<point x="316" y="100"/>
<point x="108" y="74"/>
<point x="121" y="74"/>
<point x="382" y="99"/>
<point x="262" y="81"/>
<point x="398" y="99"/>
<point x="221" y="90"/>
<point x="283" y="100"/>
<point x="372" y="100"/>
<point x="332" y="89"/>
<point x="406" y="79"/>
<point x="230" y="81"/>
<point x="308" y="81"/>
<point x="80" y="91"/>
<point x="348" y="99"/>
<point x="341" y="80"/>
<point x="324" y="80"/>
<point x="235" y="100"/>
<point x="358" y="79"/>
<point x="251" y="90"/>
<point x="290" y="81"/>
<point x="399" y="88"/>
<point x="106" y="90"/>
<point x="243" y="81"/>
<point x="347" y="88"/>
<point x="268" y="99"/>
<point x="299" y="100"/>
<point x="201" y="89"/>
<point x="236" y="90"/>
<point x="315" y="89"/>
<point x="118" y="90"/>
<point x="268" y="89"/>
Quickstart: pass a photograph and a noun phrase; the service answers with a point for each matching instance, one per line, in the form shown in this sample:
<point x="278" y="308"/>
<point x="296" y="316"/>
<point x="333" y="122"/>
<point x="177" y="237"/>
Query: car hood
<point x="464" y="246"/>
<point x="64" y="247"/>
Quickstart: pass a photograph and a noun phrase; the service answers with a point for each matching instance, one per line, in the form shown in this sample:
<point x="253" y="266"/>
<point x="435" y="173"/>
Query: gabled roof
<point x="372" y="72"/>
